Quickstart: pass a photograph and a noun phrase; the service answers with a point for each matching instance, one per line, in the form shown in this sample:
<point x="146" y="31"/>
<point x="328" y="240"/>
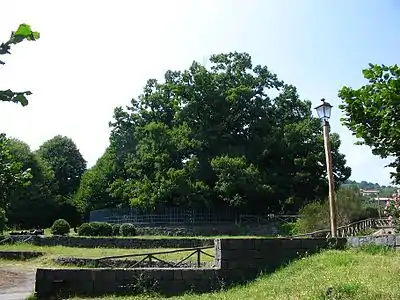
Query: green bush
<point x="287" y="229"/>
<point x="315" y="216"/>
<point x="95" y="229"/>
<point x="369" y="212"/>
<point x="127" y="229"/>
<point x="85" y="230"/>
<point x="60" y="227"/>
<point x="101" y="229"/>
<point x="116" y="229"/>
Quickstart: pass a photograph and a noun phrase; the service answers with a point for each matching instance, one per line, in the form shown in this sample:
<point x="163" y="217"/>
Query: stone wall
<point x="89" y="282"/>
<point x="20" y="255"/>
<point x="236" y="260"/>
<point x="241" y="260"/>
<point x="271" y="229"/>
<point x="385" y="240"/>
<point x="113" y="242"/>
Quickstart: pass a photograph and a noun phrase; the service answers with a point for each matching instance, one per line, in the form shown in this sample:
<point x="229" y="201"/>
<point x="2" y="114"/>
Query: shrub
<point x="85" y="230"/>
<point x="115" y="229"/>
<point x="315" y="216"/>
<point x="287" y="229"/>
<point x="101" y="229"/>
<point x="95" y="229"/>
<point x="127" y="229"/>
<point x="60" y="227"/>
<point x="369" y="212"/>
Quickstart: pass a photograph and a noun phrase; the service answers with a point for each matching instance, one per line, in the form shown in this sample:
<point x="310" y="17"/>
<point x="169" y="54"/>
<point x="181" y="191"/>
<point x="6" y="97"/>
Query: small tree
<point x="315" y="216"/>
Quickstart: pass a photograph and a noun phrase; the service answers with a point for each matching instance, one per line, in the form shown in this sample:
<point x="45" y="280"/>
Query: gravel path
<point x="16" y="284"/>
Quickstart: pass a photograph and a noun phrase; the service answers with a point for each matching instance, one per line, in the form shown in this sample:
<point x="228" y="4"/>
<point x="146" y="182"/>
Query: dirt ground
<point x="16" y="283"/>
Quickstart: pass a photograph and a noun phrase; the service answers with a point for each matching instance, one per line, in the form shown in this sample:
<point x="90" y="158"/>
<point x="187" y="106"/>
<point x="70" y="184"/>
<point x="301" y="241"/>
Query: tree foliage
<point x="65" y="160"/>
<point x="316" y="215"/>
<point x="12" y="176"/>
<point x="372" y="112"/>
<point x="215" y="137"/>
<point x="93" y="192"/>
<point x="32" y="205"/>
<point x="37" y="204"/>
<point x="24" y="32"/>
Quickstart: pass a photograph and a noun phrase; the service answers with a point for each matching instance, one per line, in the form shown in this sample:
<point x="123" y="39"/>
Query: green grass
<point x="369" y="273"/>
<point x="61" y="251"/>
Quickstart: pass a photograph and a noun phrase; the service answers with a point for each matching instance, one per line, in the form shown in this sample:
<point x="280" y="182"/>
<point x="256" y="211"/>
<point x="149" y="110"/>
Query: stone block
<point x="159" y="274"/>
<point x="173" y="287"/>
<point x="104" y="275"/>
<point x="233" y="253"/>
<point x="391" y="240"/>
<point x="79" y="287"/>
<point x="365" y="240"/>
<point x="267" y="244"/>
<point x="353" y="241"/>
<point x="291" y="243"/>
<point x="312" y="245"/>
<point x="188" y="274"/>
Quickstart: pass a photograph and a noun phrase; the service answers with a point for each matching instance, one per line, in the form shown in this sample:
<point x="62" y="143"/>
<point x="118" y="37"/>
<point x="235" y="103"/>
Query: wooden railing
<point x="350" y="229"/>
<point x="154" y="256"/>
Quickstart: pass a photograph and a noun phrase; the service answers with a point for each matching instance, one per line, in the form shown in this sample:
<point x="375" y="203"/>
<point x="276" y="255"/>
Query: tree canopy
<point x="66" y="161"/>
<point x="372" y="112"/>
<point x="215" y="137"/>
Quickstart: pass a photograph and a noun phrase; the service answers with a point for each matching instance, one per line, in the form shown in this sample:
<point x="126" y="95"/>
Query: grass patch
<point x="52" y="252"/>
<point x="357" y="274"/>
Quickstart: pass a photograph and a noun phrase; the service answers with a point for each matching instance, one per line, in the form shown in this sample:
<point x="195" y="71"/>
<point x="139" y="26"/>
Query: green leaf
<point x="21" y="99"/>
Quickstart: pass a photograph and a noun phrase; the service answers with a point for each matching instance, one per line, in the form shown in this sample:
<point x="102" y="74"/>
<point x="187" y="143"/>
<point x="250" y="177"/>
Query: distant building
<point x="369" y="192"/>
<point x="382" y="200"/>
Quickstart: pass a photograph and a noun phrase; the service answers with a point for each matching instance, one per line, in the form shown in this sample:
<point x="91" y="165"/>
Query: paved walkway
<point x="16" y="283"/>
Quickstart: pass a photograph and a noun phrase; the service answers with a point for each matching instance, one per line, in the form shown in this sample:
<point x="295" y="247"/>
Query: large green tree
<point x="372" y="112"/>
<point x="66" y="161"/>
<point x="215" y="137"/>
<point x="32" y="205"/>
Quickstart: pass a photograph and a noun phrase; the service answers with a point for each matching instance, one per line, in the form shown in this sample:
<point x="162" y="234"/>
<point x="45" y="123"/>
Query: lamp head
<point x="324" y="110"/>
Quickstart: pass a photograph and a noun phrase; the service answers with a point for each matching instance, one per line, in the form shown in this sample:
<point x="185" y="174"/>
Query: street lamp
<point x="324" y="113"/>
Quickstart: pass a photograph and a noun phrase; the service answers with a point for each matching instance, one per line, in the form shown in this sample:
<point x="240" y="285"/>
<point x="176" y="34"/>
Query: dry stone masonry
<point x="236" y="260"/>
<point x="113" y="242"/>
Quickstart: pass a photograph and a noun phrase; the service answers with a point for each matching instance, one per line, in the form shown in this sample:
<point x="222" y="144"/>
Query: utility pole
<point x="331" y="182"/>
<point x="324" y="113"/>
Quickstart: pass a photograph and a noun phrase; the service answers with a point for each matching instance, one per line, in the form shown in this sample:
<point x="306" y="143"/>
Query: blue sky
<point x="96" y="55"/>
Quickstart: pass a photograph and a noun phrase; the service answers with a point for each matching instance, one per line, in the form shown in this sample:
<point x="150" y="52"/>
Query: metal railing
<point x="154" y="256"/>
<point x="181" y="216"/>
